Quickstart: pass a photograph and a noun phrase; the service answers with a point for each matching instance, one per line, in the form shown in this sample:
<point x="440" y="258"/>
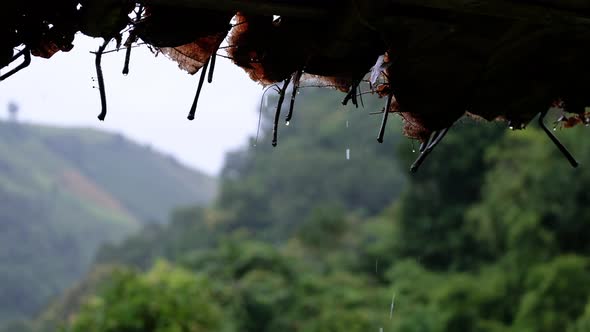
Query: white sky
<point x="149" y="106"/>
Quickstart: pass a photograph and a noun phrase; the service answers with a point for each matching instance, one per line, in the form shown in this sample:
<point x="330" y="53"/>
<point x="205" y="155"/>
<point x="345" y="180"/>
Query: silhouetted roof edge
<point x="575" y="12"/>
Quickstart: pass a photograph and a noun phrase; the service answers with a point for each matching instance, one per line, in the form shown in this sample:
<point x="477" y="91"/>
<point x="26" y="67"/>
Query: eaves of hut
<point x="433" y="61"/>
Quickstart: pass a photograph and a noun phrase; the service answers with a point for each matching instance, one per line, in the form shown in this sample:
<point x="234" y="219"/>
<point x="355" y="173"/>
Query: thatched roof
<point x="432" y="60"/>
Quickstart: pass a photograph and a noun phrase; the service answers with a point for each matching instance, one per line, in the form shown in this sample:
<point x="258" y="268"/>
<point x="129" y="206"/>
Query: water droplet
<point x="288" y="123"/>
<point x="554" y="129"/>
<point x="413" y="150"/>
<point x="392" y="306"/>
<point x="125" y="74"/>
<point x="511" y="128"/>
<point x="347" y="154"/>
<point x="346" y="123"/>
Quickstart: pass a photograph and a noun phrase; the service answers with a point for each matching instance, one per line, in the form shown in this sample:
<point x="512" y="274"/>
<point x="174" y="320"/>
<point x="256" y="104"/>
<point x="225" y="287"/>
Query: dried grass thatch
<point x="498" y="60"/>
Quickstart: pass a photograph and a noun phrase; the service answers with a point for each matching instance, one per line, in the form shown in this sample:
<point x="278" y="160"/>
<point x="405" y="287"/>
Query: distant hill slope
<point x="146" y="182"/>
<point x="64" y="192"/>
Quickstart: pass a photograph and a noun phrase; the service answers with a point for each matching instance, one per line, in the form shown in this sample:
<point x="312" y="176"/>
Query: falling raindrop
<point x="287" y="123"/>
<point x="347" y="154"/>
<point x="392" y="306"/>
<point x="511" y="128"/>
<point x="346" y="123"/>
<point x="413" y="150"/>
<point x="555" y="129"/>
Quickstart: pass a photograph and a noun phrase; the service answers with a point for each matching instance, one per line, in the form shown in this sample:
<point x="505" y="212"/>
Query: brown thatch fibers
<point x="264" y="48"/>
<point x="191" y="57"/>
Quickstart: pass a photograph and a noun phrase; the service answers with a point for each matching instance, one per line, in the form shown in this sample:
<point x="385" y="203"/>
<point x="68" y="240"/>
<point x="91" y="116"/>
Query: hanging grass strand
<point x="129" y="46"/>
<point x="352" y="94"/>
<point x="275" y="128"/>
<point x="296" y="81"/>
<point x="191" y="114"/>
<point x="26" y="53"/>
<point x="385" y="116"/>
<point x="100" y="78"/>
<point x="436" y="138"/>
<point x="127" y="60"/>
<point x="211" y="67"/>
<point x="570" y="158"/>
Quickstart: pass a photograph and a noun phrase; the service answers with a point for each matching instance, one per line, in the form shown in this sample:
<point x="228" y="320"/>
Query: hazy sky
<point x="149" y="106"/>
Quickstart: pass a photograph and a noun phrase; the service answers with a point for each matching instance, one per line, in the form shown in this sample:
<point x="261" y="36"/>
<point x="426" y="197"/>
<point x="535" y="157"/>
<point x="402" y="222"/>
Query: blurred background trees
<point x="490" y="235"/>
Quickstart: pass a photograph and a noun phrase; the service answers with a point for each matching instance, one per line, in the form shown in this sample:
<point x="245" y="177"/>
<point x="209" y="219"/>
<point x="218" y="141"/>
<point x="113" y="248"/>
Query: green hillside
<point x="491" y="235"/>
<point x="146" y="182"/>
<point x="65" y="192"/>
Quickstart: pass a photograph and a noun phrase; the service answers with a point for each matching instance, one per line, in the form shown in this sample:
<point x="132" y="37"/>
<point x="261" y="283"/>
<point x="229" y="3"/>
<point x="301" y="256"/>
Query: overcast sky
<point x="149" y="106"/>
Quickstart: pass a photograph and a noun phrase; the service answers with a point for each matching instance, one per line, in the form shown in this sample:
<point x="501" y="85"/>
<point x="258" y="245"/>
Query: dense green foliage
<point x="64" y="193"/>
<point x="489" y="236"/>
<point x="273" y="190"/>
<point x="154" y="304"/>
<point x="161" y="241"/>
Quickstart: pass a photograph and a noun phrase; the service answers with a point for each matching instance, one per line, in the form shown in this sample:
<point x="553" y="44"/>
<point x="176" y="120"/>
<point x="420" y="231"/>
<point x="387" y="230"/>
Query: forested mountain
<point x="270" y="192"/>
<point x="65" y="192"/>
<point x="490" y="235"/>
